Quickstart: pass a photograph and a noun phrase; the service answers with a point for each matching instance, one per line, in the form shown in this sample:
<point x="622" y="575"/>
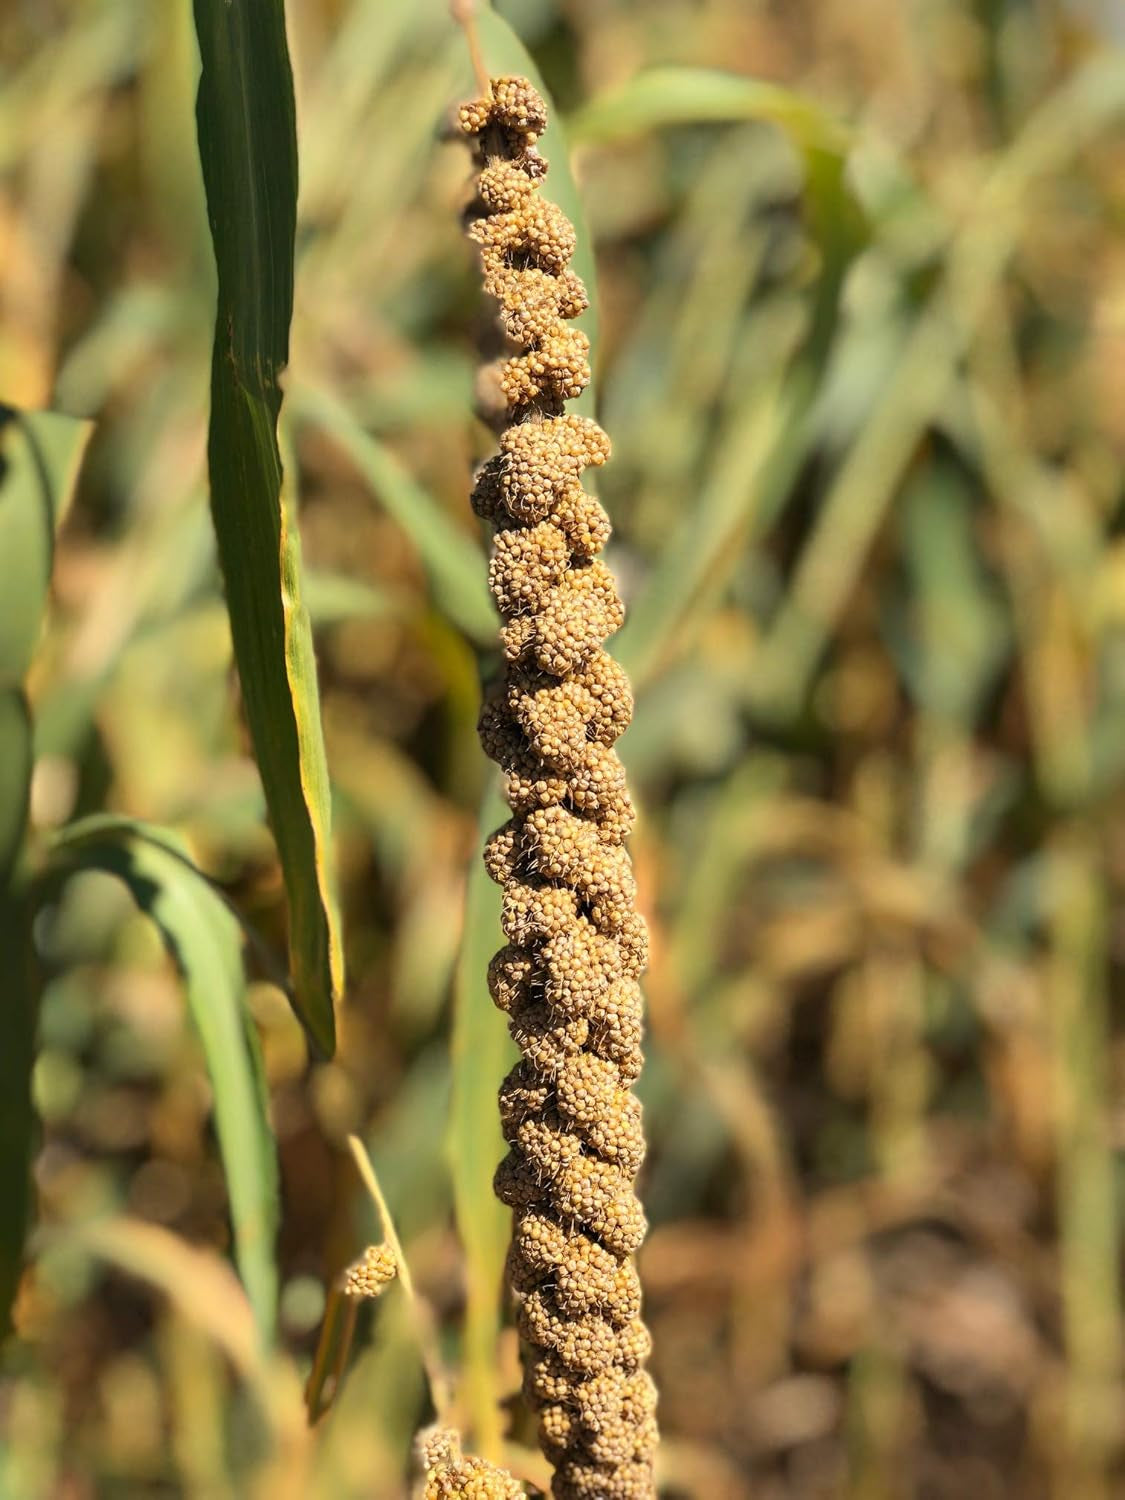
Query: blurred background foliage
<point x="862" y="358"/>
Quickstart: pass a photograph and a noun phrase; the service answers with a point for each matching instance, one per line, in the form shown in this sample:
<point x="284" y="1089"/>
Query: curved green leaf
<point x="766" y="434"/>
<point x="454" y="561"/>
<point x="248" y="148"/>
<point x="685" y="96"/>
<point x="758" y="450"/>
<point x="205" y="1293"/>
<point x="15" y="775"/>
<point x="1079" y="112"/>
<point x="203" y="936"/>
<point x="17" y="1118"/>
<point x="40" y="454"/>
<point x="690" y="96"/>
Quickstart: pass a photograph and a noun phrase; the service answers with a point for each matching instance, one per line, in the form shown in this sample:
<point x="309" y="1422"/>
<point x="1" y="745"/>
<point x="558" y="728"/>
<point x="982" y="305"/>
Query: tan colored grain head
<point x="576" y="944"/>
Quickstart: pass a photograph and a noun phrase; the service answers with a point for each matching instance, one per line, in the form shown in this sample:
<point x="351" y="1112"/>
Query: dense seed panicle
<point x="375" y="1269"/>
<point x="567" y="978"/>
<point x="452" y="1475"/>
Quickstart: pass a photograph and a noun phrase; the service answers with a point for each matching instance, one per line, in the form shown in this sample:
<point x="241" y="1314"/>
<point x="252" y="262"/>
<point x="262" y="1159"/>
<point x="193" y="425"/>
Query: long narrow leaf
<point x="204" y="938"/>
<point x="18" y="1015"/>
<point x="15" y="776"/>
<point x="758" y="451"/>
<point x="682" y="96"/>
<point x="663" y="97"/>
<point x="202" y="1290"/>
<point x="40" y="454"/>
<point x="248" y="148"/>
<point x="1079" y="112"/>
<point x="452" y="559"/>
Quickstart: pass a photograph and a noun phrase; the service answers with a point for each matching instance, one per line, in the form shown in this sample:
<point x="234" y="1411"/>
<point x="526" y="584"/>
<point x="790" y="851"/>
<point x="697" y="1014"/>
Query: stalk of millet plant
<point x="568" y="978"/>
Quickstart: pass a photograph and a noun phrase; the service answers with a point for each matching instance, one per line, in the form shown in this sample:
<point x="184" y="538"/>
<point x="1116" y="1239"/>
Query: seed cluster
<point x="450" y="1475"/>
<point x="568" y="978"/>
<point x="366" y="1277"/>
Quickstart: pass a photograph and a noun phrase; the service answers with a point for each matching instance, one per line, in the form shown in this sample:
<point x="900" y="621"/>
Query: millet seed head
<point x="600" y="1196"/>
<point x="592" y="1481"/>
<point x="450" y="1475"/>
<point x="524" y="1095"/>
<point x="375" y="1269"/>
<point x="558" y="369"/>
<point x="542" y="459"/>
<point x="503" y="187"/>
<point x="533" y="911"/>
<point x="577" y="967"/>
<point x="546" y="1378"/>
<point x="511" y="973"/>
<point x="576" y="945"/>
<point x="546" y="1042"/>
<point x="518" y="105"/>
<point x="585" y="1345"/>
<point x="584" y="1275"/>
<point x="526" y="564"/>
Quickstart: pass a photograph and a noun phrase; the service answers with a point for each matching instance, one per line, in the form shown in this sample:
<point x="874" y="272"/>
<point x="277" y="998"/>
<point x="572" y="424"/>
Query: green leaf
<point x="203" y="1291"/>
<point x="15" y="775"/>
<point x="865" y="485"/>
<point x="333" y="598"/>
<point x="504" y="54"/>
<point x="248" y="148"/>
<point x="40" y="454"/>
<point x="688" y="96"/>
<point x="685" y="96"/>
<point x="758" y="451"/>
<point x="203" y="936"/>
<point x="17" y="1118"/>
<point x="482" y="1055"/>
<point x="454" y="562"/>
<point x="959" y="638"/>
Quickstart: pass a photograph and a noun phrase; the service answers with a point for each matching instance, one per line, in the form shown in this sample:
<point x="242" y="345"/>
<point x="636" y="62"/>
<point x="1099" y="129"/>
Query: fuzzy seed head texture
<point x="451" y="1475"/>
<point x="576" y="946"/>
<point x="375" y="1269"/>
